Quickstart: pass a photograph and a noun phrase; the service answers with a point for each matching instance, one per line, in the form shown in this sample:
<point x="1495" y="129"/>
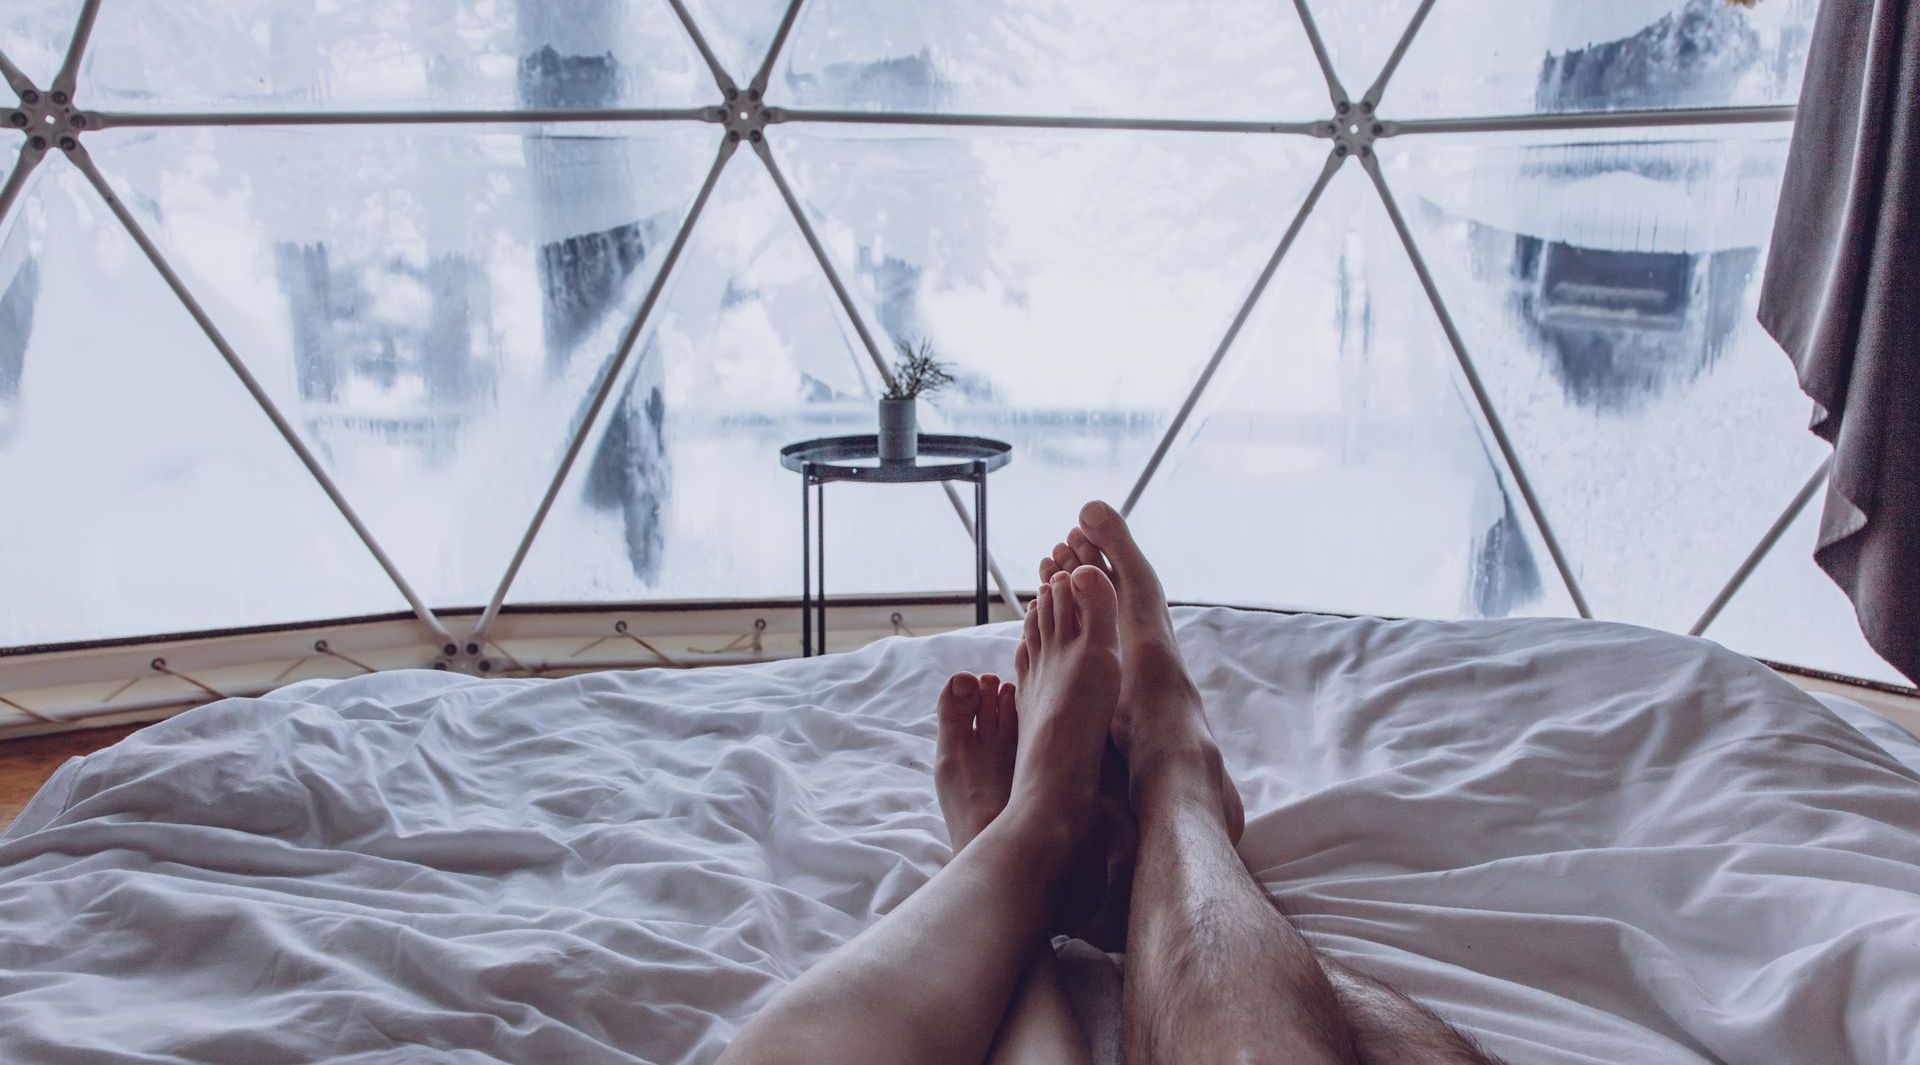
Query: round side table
<point x="857" y="458"/>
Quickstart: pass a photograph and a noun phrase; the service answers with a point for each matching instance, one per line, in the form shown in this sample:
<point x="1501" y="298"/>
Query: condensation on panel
<point x="1606" y="290"/>
<point x="686" y="497"/>
<point x="1790" y="611"/>
<point x="258" y="55"/>
<point x="145" y="490"/>
<point x="431" y="307"/>
<point x="1336" y="463"/>
<point x="1238" y="59"/>
<point x="1568" y="55"/>
<point x="1077" y="283"/>
<point x="34" y="35"/>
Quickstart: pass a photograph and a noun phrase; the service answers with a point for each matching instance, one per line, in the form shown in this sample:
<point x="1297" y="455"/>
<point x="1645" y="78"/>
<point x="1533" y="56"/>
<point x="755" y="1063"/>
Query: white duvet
<point x="1580" y="842"/>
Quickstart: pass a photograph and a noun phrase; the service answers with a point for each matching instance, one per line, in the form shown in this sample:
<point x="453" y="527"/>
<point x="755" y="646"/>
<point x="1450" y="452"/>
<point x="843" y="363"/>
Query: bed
<point x="1581" y="842"/>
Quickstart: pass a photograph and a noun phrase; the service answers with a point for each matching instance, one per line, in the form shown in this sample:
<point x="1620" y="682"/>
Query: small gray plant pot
<point x="899" y="436"/>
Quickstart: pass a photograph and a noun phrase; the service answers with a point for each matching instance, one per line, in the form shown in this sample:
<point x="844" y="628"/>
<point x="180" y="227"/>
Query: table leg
<point x="806" y="563"/>
<point x="979" y="543"/>
<point x="820" y="562"/>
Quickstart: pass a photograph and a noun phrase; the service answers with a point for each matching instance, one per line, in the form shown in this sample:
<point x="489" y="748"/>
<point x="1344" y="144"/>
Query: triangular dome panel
<point x="1335" y="462"/>
<point x="1213" y="59"/>
<point x="679" y="492"/>
<point x="1790" y="611"/>
<point x="145" y="490"/>
<point x="1077" y="282"/>
<point x="1359" y="37"/>
<point x="356" y="56"/>
<point x="1606" y="292"/>
<point x="34" y="35"/>
<point x="1627" y="55"/>
<point x="430" y="308"/>
<point x="739" y="32"/>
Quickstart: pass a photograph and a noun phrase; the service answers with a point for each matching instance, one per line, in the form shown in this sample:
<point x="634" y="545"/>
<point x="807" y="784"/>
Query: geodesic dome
<point x="315" y="309"/>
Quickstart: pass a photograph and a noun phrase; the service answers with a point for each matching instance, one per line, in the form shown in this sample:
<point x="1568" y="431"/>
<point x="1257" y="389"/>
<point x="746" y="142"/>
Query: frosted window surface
<point x="1620" y="55"/>
<point x="1789" y="610"/>
<point x="1077" y="282"/>
<point x="430" y="307"/>
<point x="1064" y="57"/>
<point x="684" y="496"/>
<point x="262" y="55"/>
<point x="1336" y="463"/>
<point x="1607" y="292"/>
<point x="144" y="492"/>
<point x="738" y="31"/>
<point x="34" y="35"/>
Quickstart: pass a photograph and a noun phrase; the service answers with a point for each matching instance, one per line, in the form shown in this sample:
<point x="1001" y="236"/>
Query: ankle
<point x="1174" y="778"/>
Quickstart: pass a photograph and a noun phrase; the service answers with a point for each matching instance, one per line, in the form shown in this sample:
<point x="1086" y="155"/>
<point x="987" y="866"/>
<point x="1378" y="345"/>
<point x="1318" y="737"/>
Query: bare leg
<point x="1215" y="971"/>
<point x="973" y="775"/>
<point x="1389" y="1028"/>
<point x="931" y="981"/>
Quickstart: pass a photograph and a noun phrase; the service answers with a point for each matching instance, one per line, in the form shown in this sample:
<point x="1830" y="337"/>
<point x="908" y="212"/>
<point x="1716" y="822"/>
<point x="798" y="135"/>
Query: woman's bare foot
<point x="1068" y="665"/>
<point x="1159" y="719"/>
<point x="973" y="765"/>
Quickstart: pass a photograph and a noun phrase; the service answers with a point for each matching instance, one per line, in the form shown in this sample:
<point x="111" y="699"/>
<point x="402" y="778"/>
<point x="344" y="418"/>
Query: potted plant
<point x="917" y="372"/>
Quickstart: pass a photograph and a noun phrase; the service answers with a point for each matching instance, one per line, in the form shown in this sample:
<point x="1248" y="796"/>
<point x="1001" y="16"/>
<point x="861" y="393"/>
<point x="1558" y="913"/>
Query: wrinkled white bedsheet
<point x="1581" y="842"/>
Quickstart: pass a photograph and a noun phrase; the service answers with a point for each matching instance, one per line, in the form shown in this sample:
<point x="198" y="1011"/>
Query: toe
<point x="986" y="720"/>
<point x="1066" y="613"/>
<point x="959" y="702"/>
<point x="1063" y="558"/>
<point x="1058" y="602"/>
<point x="1029" y="639"/>
<point x="1048" y="567"/>
<point x="1084" y="551"/>
<point x="1096" y="603"/>
<point x="1107" y="530"/>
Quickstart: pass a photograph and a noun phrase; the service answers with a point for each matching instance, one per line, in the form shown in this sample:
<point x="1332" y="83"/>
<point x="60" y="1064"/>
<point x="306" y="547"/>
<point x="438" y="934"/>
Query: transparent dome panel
<point x="1359" y="37"/>
<point x="1234" y="59"/>
<point x="1790" y="611"/>
<point x="1336" y="462"/>
<point x="1606" y="289"/>
<point x="145" y="491"/>
<point x="679" y="492"/>
<point x="347" y="55"/>
<point x="430" y="307"/>
<point x="1570" y="55"/>
<point x="34" y="35"/>
<point x="1076" y="282"/>
<point x="738" y="31"/>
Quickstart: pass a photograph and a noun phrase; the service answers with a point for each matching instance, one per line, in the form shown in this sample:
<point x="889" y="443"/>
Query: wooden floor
<point x="26" y="764"/>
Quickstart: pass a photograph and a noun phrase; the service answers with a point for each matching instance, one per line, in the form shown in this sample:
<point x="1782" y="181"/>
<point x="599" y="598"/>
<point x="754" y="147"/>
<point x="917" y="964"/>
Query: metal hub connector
<point x="1354" y="128"/>
<point x="744" y="115"/>
<point x="48" y="119"/>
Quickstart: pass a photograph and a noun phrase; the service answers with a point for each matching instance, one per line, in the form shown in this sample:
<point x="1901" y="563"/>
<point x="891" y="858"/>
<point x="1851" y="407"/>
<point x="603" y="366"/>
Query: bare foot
<point x="1159" y="717"/>
<point x="973" y="766"/>
<point x="1068" y="665"/>
<point x="973" y="777"/>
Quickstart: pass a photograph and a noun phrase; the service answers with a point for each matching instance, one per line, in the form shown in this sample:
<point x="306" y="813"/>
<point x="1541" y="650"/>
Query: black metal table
<point x="857" y="458"/>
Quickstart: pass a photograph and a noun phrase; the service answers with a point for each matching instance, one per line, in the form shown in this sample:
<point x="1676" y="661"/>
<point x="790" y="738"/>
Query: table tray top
<point x="942" y="457"/>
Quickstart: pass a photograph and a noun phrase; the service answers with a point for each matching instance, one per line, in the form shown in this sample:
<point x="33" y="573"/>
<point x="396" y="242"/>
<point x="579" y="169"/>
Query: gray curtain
<point x="1842" y="296"/>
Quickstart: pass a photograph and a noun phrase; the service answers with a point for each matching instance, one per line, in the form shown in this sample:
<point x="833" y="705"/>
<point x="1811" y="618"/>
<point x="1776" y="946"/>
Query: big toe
<point x="1109" y="532"/>
<point x="1096" y="603"/>
<point x="959" y="701"/>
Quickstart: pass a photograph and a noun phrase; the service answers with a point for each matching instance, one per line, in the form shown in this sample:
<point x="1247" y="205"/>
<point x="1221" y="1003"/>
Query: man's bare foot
<point x="973" y="764"/>
<point x="1068" y="665"/>
<point x="1159" y="718"/>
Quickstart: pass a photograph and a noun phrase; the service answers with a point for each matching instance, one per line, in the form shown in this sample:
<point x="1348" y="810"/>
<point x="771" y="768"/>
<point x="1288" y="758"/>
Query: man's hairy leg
<point x="1389" y="1028"/>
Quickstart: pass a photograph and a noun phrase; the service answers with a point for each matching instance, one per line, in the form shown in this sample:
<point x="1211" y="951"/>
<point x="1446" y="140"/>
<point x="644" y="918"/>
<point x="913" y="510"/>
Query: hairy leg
<point x="1389" y="1028"/>
<point x="1383" y="1026"/>
<point x="930" y="982"/>
<point x="973" y="776"/>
